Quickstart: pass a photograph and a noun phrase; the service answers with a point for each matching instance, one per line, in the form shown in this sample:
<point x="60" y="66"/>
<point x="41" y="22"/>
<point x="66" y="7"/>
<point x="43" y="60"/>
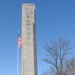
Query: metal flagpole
<point x="17" y="53"/>
<point x="17" y="59"/>
<point x="18" y="46"/>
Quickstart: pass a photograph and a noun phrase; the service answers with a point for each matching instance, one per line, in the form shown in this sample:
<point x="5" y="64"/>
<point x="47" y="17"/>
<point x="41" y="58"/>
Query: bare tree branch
<point x="56" y="53"/>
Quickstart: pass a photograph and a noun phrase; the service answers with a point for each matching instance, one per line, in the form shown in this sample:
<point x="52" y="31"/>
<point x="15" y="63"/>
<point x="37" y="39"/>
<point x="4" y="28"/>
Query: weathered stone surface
<point x="29" y="54"/>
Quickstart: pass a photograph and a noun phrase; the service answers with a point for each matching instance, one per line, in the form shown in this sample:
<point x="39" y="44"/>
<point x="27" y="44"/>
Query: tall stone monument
<point x="29" y="54"/>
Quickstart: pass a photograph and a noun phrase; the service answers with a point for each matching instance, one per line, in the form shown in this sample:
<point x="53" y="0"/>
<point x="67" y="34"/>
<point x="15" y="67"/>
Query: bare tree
<point x="70" y="66"/>
<point x="56" y="53"/>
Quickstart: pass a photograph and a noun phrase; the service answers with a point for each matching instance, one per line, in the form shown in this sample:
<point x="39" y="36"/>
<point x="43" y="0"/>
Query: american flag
<point x="19" y="41"/>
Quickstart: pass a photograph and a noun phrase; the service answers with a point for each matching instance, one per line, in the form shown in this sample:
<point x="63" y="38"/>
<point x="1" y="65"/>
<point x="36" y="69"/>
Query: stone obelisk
<point x="29" y="54"/>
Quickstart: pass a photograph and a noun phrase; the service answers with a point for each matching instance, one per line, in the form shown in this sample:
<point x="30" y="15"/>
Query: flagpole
<point x="17" y="59"/>
<point x="17" y="53"/>
<point x="19" y="42"/>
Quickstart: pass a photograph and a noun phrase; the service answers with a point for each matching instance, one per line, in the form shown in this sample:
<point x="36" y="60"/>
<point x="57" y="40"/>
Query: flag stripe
<point x="19" y="42"/>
